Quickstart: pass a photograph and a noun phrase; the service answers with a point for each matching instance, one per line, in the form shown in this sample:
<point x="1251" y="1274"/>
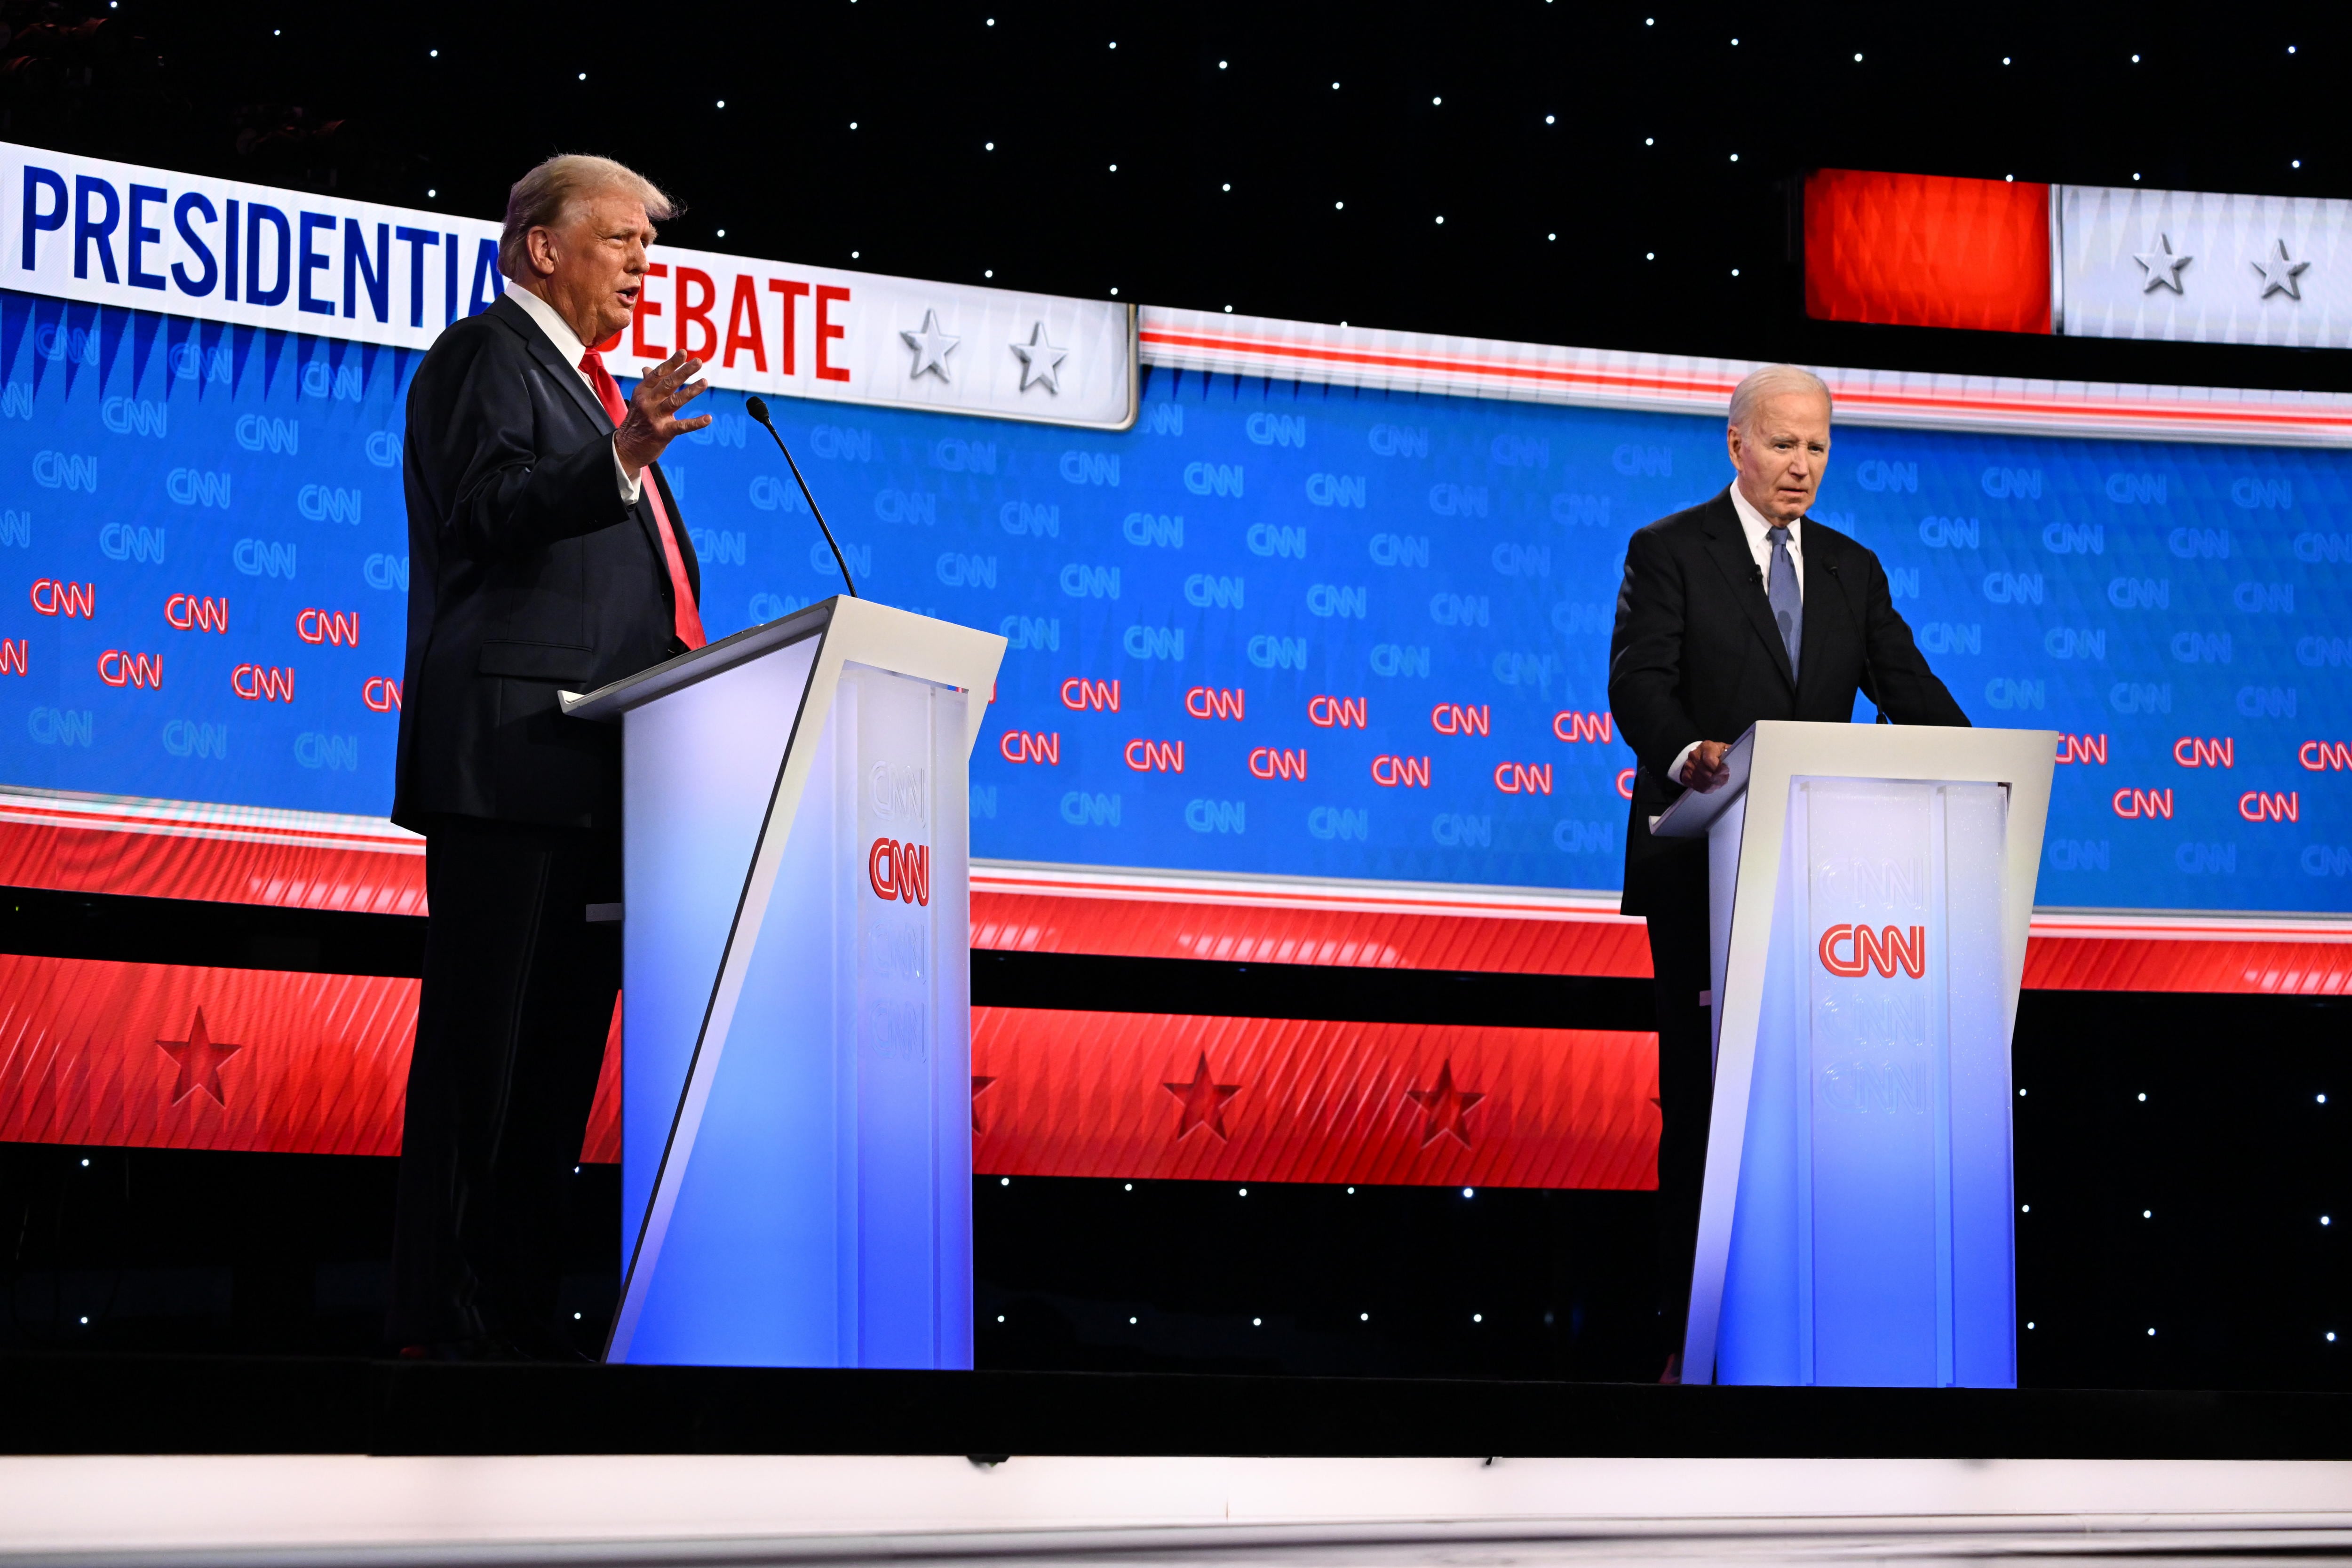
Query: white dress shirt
<point x="569" y="349"/>
<point x="1758" y="529"/>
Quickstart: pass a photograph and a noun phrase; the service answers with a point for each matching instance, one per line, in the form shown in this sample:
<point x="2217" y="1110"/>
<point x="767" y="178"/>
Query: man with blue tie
<point x="546" y="552"/>
<point x="1738" y="609"/>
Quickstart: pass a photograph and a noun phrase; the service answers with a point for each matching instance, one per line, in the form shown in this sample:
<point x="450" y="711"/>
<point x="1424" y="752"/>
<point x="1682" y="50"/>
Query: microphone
<point x="1869" y="666"/>
<point x="758" y="409"/>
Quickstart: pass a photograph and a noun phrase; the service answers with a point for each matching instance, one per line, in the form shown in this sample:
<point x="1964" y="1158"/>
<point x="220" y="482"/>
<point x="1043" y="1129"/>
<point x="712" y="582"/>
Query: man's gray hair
<point x="547" y="196"/>
<point x="1772" y="381"/>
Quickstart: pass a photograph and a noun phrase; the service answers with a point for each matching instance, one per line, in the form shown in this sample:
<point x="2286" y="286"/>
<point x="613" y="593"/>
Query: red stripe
<point x="74" y="855"/>
<point x="1134" y="927"/>
<point x="1113" y="884"/>
<point x="322" y="1060"/>
<point x="1085" y="1094"/>
<point x="2251" y="967"/>
<point x="320" y="1063"/>
<point x="2250" y="963"/>
<point x="1923" y="251"/>
<point x="602" y="1144"/>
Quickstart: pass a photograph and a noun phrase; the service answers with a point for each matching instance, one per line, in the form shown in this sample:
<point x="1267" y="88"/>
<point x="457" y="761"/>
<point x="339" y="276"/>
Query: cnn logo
<point x="1854" y="951"/>
<point x="899" y="873"/>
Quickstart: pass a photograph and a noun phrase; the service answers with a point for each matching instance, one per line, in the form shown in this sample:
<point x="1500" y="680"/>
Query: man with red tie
<point x="546" y="554"/>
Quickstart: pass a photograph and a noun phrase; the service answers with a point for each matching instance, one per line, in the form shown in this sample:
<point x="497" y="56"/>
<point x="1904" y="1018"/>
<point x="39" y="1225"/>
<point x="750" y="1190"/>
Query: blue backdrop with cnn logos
<point x="1347" y="633"/>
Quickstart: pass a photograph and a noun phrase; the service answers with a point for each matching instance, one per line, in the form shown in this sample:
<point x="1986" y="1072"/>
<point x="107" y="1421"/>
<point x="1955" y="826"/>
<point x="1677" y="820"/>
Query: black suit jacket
<point x="1696" y="656"/>
<point x="527" y="575"/>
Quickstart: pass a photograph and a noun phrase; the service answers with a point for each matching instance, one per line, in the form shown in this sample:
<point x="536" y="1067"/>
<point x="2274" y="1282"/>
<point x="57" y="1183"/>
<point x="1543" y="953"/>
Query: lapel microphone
<point x="758" y="409"/>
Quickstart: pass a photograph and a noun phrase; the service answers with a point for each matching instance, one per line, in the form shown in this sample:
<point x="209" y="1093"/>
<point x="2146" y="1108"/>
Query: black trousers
<point x="510" y="1029"/>
<point x="1679" y="959"/>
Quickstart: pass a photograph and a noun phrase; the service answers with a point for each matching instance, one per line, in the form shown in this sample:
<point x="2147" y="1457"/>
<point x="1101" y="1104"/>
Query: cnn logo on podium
<point x="1854" y="951"/>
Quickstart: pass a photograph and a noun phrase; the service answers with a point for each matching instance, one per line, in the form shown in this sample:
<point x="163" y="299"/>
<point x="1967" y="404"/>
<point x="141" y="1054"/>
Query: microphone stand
<point x="1869" y="665"/>
<point x="758" y="409"/>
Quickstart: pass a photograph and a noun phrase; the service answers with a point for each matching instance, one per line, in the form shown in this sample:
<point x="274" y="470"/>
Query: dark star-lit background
<point x="1615" y="177"/>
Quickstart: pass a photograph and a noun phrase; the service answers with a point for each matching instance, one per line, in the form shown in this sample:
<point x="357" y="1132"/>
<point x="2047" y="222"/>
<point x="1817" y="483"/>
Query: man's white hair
<point x="1772" y="381"/>
<point x="548" y="195"/>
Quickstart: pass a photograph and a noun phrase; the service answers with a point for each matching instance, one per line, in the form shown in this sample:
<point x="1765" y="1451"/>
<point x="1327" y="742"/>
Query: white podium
<point x="1870" y="890"/>
<point x="796" y="1142"/>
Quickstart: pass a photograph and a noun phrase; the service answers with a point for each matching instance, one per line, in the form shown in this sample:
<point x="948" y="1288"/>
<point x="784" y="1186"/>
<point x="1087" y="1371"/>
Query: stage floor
<point x="1314" y="1512"/>
<point x="131" y="1459"/>
<point x="70" y="1404"/>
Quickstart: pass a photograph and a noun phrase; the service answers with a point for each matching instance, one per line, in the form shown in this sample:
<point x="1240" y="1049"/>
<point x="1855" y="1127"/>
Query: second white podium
<point x="1869" y="888"/>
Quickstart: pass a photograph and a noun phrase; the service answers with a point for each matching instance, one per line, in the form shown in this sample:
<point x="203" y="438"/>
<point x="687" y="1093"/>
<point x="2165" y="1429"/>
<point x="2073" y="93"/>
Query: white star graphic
<point x="2280" y="276"/>
<point x="1041" y="362"/>
<point x="2163" y="266"/>
<point x="931" y="347"/>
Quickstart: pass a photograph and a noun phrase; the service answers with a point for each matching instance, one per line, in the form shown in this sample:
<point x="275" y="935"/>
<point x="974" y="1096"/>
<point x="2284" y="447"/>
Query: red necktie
<point x="689" y="615"/>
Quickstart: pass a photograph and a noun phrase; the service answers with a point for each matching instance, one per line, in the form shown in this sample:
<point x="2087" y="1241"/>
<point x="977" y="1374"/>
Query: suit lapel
<point x="567" y="376"/>
<point x="1728" y="543"/>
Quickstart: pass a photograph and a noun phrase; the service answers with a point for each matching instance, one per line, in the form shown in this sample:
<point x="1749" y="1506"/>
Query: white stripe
<point x="205" y="820"/>
<point x="1676" y="383"/>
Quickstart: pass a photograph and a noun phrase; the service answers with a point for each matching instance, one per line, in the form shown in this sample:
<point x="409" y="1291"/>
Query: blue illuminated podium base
<point x="796" y="1144"/>
<point x="1869" y="888"/>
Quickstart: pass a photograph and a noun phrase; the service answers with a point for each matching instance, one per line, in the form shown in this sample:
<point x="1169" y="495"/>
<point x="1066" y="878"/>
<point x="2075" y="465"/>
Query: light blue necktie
<point x="1788" y="604"/>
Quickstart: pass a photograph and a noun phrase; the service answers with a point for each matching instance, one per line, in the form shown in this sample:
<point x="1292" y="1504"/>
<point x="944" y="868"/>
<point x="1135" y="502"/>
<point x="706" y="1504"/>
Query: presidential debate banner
<point x="223" y="251"/>
<point x="1301" y="630"/>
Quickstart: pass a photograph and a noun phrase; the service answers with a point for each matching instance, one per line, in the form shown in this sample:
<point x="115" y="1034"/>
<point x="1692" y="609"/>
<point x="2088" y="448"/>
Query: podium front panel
<point x="904" y="981"/>
<point x="813" y="1201"/>
<point x="1871" y="1241"/>
<point x="698" y="768"/>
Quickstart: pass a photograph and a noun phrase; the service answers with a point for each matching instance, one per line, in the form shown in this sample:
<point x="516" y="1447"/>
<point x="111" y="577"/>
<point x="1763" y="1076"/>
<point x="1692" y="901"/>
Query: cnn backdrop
<point x="1273" y="627"/>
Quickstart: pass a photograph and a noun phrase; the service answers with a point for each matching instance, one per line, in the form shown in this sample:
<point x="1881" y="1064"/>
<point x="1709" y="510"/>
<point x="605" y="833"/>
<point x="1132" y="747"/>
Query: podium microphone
<point x="758" y="409"/>
<point x="1869" y="665"/>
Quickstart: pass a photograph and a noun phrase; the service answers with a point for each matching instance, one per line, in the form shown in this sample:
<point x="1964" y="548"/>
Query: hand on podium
<point x="1704" y="769"/>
